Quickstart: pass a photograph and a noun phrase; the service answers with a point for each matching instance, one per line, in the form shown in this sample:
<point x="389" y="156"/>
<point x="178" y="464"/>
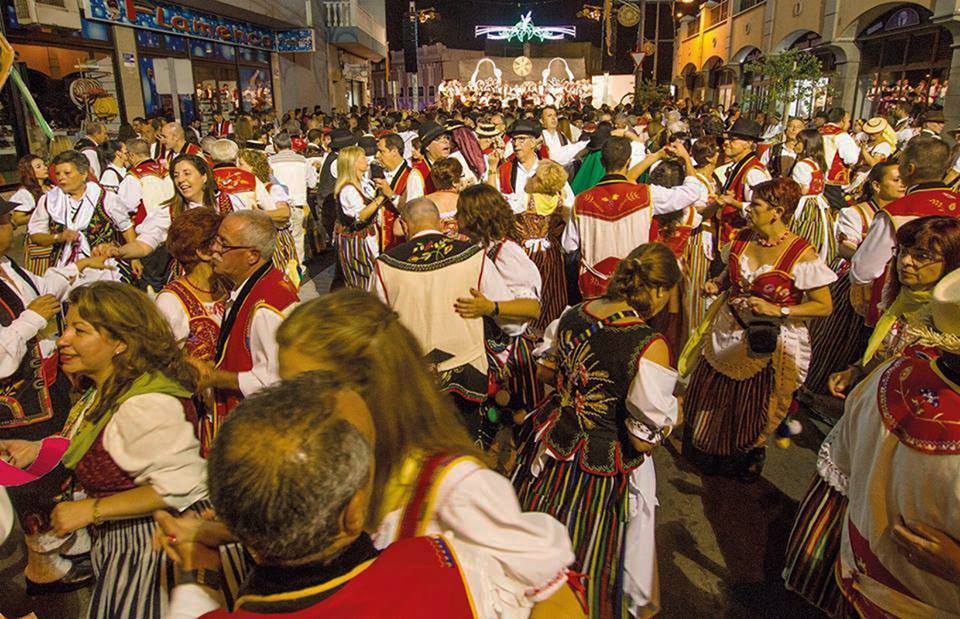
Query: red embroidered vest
<point x="412" y="578"/>
<point x="204" y="330"/>
<point x="775" y="286"/>
<point x="423" y="168"/>
<point x="817" y="182"/>
<point x="923" y="202"/>
<point x="839" y="173"/>
<point x="681" y="234"/>
<point x="268" y="287"/>
<point x="390" y="214"/>
<point x="145" y="168"/>
<point x="920" y="407"/>
<point x="234" y="180"/>
<point x="730" y="218"/>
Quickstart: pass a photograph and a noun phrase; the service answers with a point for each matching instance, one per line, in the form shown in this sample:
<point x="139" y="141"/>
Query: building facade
<point x="873" y="54"/>
<point x="114" y="60"/>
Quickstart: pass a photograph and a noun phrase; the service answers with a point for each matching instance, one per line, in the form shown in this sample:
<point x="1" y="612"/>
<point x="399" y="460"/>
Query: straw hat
<point x="875" y="125"/>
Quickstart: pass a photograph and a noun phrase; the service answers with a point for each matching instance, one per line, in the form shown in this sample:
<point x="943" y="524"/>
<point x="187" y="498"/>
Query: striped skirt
<point x="595" y="510"/>
<point x="553" y="296"/>
<point x="38" y="258"/>
<point x="285" y="256"/>
<point x="355" y="256"/>
<point x="696" y="273"/>
<point x="814" y="222"/>
<point x="814" y="547"/>
<point x="728" y="417"/>
<point x="131" y="580"/>
<point x="835" y="341"/>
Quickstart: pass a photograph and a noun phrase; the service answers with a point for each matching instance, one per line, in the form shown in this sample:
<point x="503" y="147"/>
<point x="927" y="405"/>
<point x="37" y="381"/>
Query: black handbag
<point x="762" y="334"/>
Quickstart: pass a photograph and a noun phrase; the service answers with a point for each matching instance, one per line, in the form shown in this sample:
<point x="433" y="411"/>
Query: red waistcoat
<point x="145" y="168"/>
<point x="730" y="218"/>
<point x="839" y="172"/>
<point x="269" y="288"/>
<point x="423" y="168"/>
<point x="390" y="215"/>
<point x="776" y="286"/>
<point x="817" y="182"/>
<point x="234" y="180"/>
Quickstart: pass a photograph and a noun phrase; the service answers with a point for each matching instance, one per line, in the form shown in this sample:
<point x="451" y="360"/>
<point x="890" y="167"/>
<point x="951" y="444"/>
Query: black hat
<point x="599" y="137"/>
<point x="369" y="145"/>
<point x="525" y="126"/>
<point x="429" y="131"/>
<point x="341" y="138"/>
<point x="745" y="129"/>
<point x="7" y="207"/>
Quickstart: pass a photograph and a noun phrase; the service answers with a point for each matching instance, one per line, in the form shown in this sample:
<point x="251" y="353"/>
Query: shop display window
<point x="257" y="95"/>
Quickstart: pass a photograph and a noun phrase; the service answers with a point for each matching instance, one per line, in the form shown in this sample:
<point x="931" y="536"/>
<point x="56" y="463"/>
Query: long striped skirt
<point x="131" y="580"/>
<point x="595" y="510"/>
<point x="553" y="296"/>
<point x="728" y="417"/>
<point x="835" y="341"/>
<point x="355" y="256"/>
<point x="285" y="256"/>
<point x="513" y="368"/>
<point x="38" y="258"/>
<point x="696" y="273"/>
<point x="814" y="547"/>
<point x="814" y="221"/>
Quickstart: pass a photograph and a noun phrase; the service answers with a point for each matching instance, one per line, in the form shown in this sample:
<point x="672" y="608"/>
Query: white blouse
<point x="24" y="200"/>
<point x="850" y="226"/>
<point x="803" y="174"/>
<point x="150" y="438"/>
<point x="478" y="508"/>
<point x="522" y="278"/>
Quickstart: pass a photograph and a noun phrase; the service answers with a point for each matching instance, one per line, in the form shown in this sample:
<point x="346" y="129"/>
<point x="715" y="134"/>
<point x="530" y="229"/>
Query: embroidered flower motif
<point x="930" y="397"/>
<point x="431" y="250"/>
<point x="582" y="392"/>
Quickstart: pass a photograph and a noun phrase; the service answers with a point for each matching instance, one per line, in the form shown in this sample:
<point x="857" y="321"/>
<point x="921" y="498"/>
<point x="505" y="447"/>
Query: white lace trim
<point x="829" y="471"/>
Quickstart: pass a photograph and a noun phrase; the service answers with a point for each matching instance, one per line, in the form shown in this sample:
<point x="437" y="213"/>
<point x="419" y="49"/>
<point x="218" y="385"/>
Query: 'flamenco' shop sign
<point x="173" y="19"/>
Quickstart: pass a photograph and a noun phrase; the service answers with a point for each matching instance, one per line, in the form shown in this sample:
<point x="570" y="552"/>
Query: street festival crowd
<point x="527" y="301"/>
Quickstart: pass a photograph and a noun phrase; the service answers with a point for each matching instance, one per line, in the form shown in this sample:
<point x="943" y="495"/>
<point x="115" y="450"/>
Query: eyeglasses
<point x="219" y="246"/>
<point x="920" y="257"/>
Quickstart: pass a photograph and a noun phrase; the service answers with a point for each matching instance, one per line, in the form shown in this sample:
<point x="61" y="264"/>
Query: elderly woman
<point x="754" y="341"/>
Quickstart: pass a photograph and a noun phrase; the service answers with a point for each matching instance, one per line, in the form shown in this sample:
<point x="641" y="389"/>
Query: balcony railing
<point x="347" y="14"/>
<point x="717" y="13"/>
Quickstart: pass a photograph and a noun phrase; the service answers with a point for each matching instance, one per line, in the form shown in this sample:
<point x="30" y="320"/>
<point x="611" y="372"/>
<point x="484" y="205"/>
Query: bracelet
<point x="96" y="512"/>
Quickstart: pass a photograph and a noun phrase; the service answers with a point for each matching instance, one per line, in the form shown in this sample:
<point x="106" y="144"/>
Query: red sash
<point x="776" y="286"/>
<point x="234" y="180"/>
<point x="267" y="288"/>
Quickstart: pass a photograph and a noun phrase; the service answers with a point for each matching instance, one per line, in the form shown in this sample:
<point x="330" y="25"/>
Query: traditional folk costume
<point x="144" y="192"/>
<point x="813" y="219"/>
<point x="873" y="262"/>
<point x="247" y="344"/>
<point x="697" y="256"/>
<point x="614" y="218"/>
<point x="358" y="241"/>
<point x="509" y="346"/>
<point x="146" y="439"/>
<point x="672" y="321"/>
<point x="188" y="148"/>
<point x="900" y="424"/>
<point x="588" y="475"/>
<point x="285" y="257"/>
<point x="398" y="179"/>
<point x="88" y="148"/>
<point x="221" y="128"/>
<point x="36" y="257"/>
<point x="421" y="280"/>
<point x="98" y="216"/>
<point x="838" y="340"/>
<point x="35" y="405"/>
<point x="112" y="176"/>
<point x="527" y="553"/>
<point x="841" y="153"/>
<point x="736" y="398"/>
<point x="539" y="229"/>
<point x="422" y="171"/>
<point x="740" y="179"/>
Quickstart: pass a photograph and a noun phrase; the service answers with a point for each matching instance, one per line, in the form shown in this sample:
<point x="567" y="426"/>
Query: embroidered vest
<point x="268" y="288"/>
<point x="26" y="397"/>
<point x="204" y="330"/>
<point x="839" y="172"/>
<point x="593" y="378"/>
<point x="390" y="214"/>
<point x="919" y="407"/>
<point x="730" y="219"/>
<point x="613" y="218"/>
<point x="817" y="180"/>
<point x="776" y="286"/>
<point x="681" y="234"/>
<point x="415" y="577"/>
<point x="99" y="474"/>
<point x="237" y="182"/>
<point x="923" y="202"/>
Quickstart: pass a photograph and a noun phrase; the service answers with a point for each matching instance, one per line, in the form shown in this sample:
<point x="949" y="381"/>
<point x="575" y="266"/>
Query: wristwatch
<point x="785" y="311"/>
<point x="202" y="576"/>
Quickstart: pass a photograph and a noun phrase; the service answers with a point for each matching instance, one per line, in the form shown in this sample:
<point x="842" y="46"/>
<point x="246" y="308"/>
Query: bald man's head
<point x="420" y="214"/>
<point x="173" y="136"/>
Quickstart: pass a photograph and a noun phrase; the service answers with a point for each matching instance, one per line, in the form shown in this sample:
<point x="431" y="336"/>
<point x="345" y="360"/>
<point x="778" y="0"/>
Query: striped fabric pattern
<point x="595" y="510"/>
<point x="814" y="223"/>
<point x="38" y="258"/>
<point x="814" y="547"/>
<point x="355" y="258"/>
<point x="835" y="341"/>
<point x="697" y="272"/>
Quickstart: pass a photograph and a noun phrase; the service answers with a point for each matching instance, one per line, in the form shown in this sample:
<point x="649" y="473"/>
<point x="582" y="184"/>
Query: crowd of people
<point x="527" y="301"/>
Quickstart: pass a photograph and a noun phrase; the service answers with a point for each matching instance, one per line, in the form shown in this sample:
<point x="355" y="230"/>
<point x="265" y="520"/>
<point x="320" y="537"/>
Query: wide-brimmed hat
<point x="945" y="304"/>
<point x="932" y="116"/>
<point x="341" y="138"/>
<point x="369" y="145"/>
<point x="6" y="206"/>
<point x="429" y="131"/>
<point x="745" y="129"/>
<point x="599" y="137"/>
<point x="877" y="124"/>
<point x="487" y="130"/>
<point x="526" y="126"/>
<point x="452" y="125"/>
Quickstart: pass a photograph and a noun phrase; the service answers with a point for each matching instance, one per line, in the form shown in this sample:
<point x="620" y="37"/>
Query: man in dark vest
<point x="327" y="179"/>
<point x="35" y="406"/>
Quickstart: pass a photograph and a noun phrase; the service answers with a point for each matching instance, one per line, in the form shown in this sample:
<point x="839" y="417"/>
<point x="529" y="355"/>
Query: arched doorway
<point x="689" y="75"/>
<point x="710" y="81"/>
<point x="904" y="58"/>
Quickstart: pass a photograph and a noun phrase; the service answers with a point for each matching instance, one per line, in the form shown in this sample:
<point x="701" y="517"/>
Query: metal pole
<point x="656" y="40"/>
<point x="638" y="70"/>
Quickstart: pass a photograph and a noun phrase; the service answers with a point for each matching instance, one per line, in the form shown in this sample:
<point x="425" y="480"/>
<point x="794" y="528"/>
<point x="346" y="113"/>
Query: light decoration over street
<point x="524" y="31"/>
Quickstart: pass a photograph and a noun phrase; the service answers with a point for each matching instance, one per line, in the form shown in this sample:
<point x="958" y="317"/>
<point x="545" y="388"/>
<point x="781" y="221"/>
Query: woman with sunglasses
<point x="927" y="249"/>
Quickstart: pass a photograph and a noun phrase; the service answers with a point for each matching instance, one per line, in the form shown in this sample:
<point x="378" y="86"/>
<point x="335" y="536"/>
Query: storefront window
<point x="212" y="51"/>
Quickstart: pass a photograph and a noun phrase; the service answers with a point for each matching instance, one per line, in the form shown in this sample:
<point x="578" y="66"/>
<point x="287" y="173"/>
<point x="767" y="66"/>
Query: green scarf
<point x="907" y="304"/>
<point x="590" y="172"/>
<point x="150" y="382"/>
